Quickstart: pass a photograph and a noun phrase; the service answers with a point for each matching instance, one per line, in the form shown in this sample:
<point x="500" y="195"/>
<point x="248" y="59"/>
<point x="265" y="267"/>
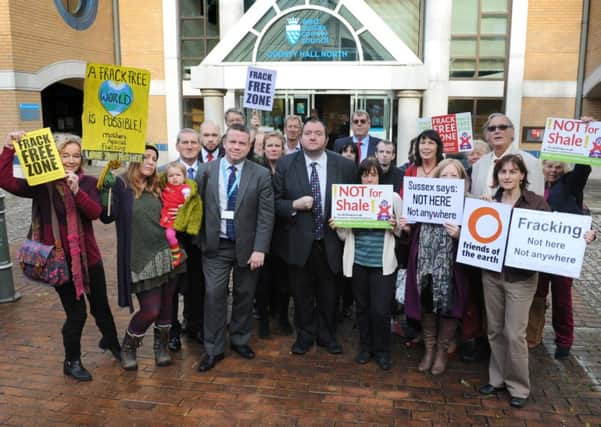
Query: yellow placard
<point x="39" y="157"/>
<point x="115" y="112"/>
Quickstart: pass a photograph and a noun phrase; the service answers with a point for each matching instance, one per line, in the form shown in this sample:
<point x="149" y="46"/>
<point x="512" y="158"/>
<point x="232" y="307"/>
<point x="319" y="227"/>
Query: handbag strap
<point x="55" y="230"/>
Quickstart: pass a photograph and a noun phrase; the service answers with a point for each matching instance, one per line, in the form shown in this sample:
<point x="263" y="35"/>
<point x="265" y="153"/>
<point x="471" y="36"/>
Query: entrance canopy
<point x="329" y="45"/>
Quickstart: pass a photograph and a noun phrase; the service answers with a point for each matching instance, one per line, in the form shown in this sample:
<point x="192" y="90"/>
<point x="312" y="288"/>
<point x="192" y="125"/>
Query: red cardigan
<point x="87" y="201"/>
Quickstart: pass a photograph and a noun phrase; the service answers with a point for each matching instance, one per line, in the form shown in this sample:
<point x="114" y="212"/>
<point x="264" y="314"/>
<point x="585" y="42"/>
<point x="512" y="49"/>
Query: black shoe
<point x="562" y="352"/>
<point x="469" y="351"/>
<point x="175" y="343"/>
<point x="298" y="348"/>
<point x="285" y="328"/>
<point x="75" y="369"/>
<point x="244" y="351"/>
<point x="518" y="402"/>
<point x="209" y="362"/>
<point x="114" y="348"/>
<point x="489" y="389"/>
<point x="362" y="357"/>
<point x="334" y="348"/>
<point x="264" y="332"/>
<point x="384" y="362"/>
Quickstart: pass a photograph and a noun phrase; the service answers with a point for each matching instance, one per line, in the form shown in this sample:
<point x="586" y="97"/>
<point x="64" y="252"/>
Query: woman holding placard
<point x="369" y="259"/>
<point x="564" y="189"/>
<point x="508" y="294"/>
<point x="435" y="286"/>
<point x="76" y="203"/>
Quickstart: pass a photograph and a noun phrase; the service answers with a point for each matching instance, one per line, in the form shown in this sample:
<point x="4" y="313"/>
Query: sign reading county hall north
<point x="115" y="112"/>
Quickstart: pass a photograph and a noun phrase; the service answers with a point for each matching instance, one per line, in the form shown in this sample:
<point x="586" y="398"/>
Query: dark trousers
<point x="76" y="312"/>
<point x="314" y="291"/>
<point x="561" y="303"/>
<point x="472" y="323"/>
<point x="192" y="286"/>
<point x="345" y="291"/>
<point x="272" y="289"/>
<point x="373" y="294"/>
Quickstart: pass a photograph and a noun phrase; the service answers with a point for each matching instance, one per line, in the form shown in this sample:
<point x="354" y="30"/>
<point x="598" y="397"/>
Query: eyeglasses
<point x="500" y="127"/>
<point x="357" y="121"/>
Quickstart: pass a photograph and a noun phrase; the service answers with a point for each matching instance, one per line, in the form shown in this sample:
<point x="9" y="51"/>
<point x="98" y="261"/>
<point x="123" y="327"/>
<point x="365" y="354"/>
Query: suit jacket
<point x="292" y="182"/>
<point x="533" y="165"/>
<point x="253" y="215"/>
<point x="371" y="148"/>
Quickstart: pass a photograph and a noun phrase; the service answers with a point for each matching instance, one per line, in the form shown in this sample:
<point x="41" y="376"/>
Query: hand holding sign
<point x="38" y="156"/>
<point x="12" y="138"/>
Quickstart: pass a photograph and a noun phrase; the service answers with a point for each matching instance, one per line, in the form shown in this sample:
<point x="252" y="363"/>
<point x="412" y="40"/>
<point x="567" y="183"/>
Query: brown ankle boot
<point x="446" y="333"/>
<point x="429" y="334"/>
<point x="161" y="350"/>
<point x="130" y="344"/>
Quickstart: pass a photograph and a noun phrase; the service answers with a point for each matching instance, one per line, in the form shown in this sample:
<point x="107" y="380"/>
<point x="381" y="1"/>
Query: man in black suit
<point x="238" y="217"/>
<point x="303" y="186"/>
<point x="366" y="144"/>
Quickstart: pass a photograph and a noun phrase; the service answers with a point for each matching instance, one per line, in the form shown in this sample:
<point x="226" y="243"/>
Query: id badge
<point x="227" y="214"/>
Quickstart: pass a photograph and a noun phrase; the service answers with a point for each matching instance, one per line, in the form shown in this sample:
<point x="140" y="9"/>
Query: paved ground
<point x="278" y="388"/>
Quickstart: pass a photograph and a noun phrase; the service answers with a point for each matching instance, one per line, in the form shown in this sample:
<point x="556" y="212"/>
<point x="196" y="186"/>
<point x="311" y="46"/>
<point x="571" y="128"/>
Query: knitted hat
<point x="150" y="146"/>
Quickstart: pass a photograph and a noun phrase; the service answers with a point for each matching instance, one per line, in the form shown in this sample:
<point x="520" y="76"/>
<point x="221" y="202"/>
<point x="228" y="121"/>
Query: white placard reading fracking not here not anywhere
<point x="550" y="242"/>
<point x="433" y="200"/>
<point x="260" y="89"/>
<point x="483" y="234"/>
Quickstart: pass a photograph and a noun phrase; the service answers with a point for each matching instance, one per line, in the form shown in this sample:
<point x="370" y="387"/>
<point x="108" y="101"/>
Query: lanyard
<point x="225" y="180"/>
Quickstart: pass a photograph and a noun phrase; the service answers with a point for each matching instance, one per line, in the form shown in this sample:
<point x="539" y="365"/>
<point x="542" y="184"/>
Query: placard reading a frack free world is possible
<point x="115" y="112"/>
<point x="362" y="206"/>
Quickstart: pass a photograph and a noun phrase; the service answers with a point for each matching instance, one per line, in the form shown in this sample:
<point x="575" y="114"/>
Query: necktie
<point x="231" y="202"/>
<point x="209" y="157"/>
<point x="191" y="173"/>
<point x="359" y="150"/>
<point x="317" y="213"/>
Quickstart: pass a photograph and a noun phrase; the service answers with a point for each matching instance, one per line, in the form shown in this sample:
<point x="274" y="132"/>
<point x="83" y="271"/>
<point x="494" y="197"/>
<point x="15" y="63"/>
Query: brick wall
<point x="6" y="58"/>
<point x="553" y="39"/>
<point x="41" y="37"/>
<point x="157" y="120"/>
<point x="9" y="111"/>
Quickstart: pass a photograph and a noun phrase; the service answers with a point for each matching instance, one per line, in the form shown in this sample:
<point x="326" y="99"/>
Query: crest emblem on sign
<point x="293" y="30"/>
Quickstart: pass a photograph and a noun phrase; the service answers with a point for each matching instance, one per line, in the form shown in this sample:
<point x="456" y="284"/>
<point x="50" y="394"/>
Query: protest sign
<point x="39" y="158"/>
<point x="572" y="141"/>
<point x="260" y="89"/>
<point x="362" y="206"/>
<point x="115" y="112"/>
<point x="550" y="242"/>
<point x="433" y="200"/>
<point x="455" y="130"/>
<point x="483" y="234"/>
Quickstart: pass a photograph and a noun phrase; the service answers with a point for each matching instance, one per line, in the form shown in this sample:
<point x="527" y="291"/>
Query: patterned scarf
<point x="76" y="240"/>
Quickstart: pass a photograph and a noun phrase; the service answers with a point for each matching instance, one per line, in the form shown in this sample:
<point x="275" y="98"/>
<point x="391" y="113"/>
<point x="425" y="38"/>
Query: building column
<point x="437" y="53"/>
<point x="230" y="12"/>
<point x="173" y="82"/>
<point x="213" y="106"/>
<point x="408" y="113"/>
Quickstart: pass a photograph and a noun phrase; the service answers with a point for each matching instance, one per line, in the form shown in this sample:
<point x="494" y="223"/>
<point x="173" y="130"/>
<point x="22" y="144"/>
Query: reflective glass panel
<point x="372" y="49"/>
<point x="465" y="17"/>
<point x="330" y="4"/>
<point x="461" y="47"/>
<point x="494" y="5"/>
<point x="192" y="28"/>
<point x="243" y="51"/>
<point x="403" y="17"/>
<point x="492" y="69"/>
<point x="492" y="47"/>
<point x="494" y="25"/>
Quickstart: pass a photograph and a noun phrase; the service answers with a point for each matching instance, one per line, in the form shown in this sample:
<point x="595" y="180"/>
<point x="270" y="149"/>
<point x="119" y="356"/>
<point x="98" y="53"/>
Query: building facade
<point x="399" y="60"/>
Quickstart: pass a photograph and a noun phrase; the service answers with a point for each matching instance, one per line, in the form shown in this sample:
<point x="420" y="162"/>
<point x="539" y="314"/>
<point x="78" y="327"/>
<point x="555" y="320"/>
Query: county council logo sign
<point x="293" y="30"/>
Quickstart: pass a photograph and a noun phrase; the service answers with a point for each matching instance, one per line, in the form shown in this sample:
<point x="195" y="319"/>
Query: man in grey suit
<point x="366" y="144"/>
<point x="303" y="188"/>
<point x="235" y="235"/>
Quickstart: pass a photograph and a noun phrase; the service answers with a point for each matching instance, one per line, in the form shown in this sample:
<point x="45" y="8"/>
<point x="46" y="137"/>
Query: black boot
<point x="264" y="332"/>
<point x="161" y="352"/>
<point x="75" y="369"/>
<point x="113" y="347"/>
<point x="129" y="360"/>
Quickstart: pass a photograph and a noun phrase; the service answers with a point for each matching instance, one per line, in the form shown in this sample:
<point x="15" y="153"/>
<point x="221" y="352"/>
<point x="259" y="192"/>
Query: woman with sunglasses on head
<point x="508" y="294"/>
<point x="76" y="203"/>
<point x="145" y="264"/>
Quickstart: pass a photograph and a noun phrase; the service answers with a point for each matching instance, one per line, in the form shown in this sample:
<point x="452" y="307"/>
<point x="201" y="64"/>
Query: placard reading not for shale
<point x="362" y="206"/>
<point x="39" y="157"/>
<point x="550" y="242"/>
<point x="572" y="141"/>
<point x="483" y="234"/>
<point x="433" y="200"/>
<point x="260" y="88"/>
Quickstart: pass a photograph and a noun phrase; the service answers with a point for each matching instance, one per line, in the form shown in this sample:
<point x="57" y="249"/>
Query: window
<point x="199" y="31"/>
<point x="479" y="39"/>
<point x="480" y="108"/>
<point x="404" y="17"/>
<point x="193" y="112"/>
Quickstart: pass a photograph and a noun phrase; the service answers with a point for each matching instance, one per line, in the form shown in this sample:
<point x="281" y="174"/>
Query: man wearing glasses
<point x="366" y="144"/>
<point x="499" y="133"/>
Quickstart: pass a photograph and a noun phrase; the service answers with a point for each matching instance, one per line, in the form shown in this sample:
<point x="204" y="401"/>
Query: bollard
<point x="7" y="289"/>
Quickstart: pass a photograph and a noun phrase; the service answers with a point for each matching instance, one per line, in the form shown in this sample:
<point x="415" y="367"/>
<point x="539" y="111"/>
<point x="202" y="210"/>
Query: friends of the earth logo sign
<point x="310" y="31"/>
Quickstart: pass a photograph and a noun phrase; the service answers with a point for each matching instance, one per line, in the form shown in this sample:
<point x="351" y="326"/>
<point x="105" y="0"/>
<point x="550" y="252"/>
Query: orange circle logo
<point x="476" y="215"/>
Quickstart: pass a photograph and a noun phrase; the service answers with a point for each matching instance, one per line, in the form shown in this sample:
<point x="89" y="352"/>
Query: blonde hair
<point x="140" y="183"/>
<point x="63" y="139"/>
<point x="176" y="165"/>
<point x="462" y="173"/>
